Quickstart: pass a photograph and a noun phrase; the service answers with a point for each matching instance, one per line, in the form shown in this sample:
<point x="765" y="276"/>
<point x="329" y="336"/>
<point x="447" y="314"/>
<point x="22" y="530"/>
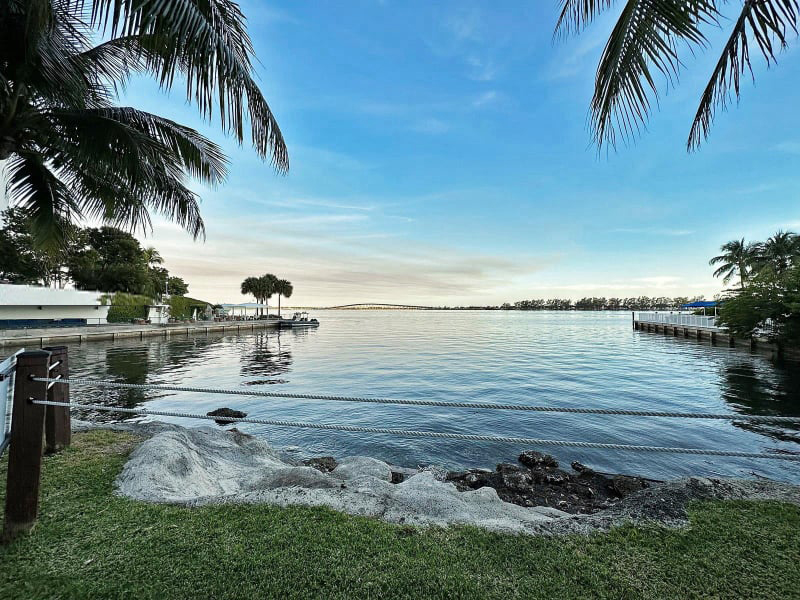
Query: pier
<point x="90" y="333"/>
<point x="698" y="327"/>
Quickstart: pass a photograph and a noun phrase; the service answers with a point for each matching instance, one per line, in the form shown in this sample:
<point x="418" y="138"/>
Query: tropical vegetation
<point x="70" y="153"/>
<point x="106" y="259"/>
<point x="263" y="287"/>
<point x="283" y="287"/>
<point x="601" y="303"/>
<point x="743" y="260"/>
<point x="655" y="36"/>
<point x="767" y="301"/>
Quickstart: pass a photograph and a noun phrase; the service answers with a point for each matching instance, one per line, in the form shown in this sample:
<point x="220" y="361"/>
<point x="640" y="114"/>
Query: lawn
<point x="91" y="544"/>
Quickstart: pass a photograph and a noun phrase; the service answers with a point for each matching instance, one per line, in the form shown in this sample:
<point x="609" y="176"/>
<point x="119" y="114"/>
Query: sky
<point x="440" y="155"/>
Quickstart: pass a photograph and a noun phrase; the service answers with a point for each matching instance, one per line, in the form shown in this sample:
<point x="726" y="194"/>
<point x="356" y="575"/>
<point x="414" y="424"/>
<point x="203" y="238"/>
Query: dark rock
<point x="539" y="483"/>
<point x="558" y="478"/>
<point x="226" y="412"/>
<point x="625" y="485"/>
<point x="513" y="477"/>
<point x="326" y="464"/>
<point x="581" y="468"/>
<point x="398" y="477"/>
<point x="537" y="460"/>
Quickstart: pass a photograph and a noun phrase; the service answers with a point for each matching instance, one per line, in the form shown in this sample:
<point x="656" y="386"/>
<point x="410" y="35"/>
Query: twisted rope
<point x="428" y="434"/>
<point x="478" y="405"/>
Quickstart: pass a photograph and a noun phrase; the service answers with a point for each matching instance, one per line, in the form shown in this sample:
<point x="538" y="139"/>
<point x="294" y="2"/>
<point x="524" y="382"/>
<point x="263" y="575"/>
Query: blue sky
<point x="440" y="154"/>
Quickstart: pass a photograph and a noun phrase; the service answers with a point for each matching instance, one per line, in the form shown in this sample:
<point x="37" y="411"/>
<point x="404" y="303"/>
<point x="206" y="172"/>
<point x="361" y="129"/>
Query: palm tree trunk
<point x="279" y="305"/>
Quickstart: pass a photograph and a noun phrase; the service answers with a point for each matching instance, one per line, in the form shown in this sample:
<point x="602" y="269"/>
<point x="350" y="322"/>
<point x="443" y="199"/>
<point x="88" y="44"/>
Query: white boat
<point x="300" y="319"/>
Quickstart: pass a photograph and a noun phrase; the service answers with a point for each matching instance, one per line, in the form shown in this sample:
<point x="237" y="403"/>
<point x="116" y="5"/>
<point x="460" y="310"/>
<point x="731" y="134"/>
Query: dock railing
<point x="679" y="319"/>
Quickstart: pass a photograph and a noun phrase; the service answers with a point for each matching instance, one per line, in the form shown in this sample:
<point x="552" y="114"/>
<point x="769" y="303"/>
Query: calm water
<point x="567" y="359"/>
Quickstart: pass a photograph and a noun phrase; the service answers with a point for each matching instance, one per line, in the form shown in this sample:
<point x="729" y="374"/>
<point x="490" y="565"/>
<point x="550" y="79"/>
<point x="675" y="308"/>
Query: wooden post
<point x="57" y="426"/>
<point x="25" y="453"/>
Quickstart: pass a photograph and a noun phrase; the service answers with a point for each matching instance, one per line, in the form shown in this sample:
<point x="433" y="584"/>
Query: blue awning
<point x="701" y="304"/>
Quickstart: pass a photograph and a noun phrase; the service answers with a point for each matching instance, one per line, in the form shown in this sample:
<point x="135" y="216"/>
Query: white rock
<point x="355" y="467"/>
<point x="202" y="466"/>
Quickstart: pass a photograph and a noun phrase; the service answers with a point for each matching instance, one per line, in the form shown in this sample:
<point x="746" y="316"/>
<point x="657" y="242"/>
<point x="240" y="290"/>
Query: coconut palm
<point x="152" y="257"/>
<point x="70" y="153"/>
<point x="283" y="287"/>
<point x="781" y="250"/>
<point x="650" y="35"/>
<point x="737" y="259"/>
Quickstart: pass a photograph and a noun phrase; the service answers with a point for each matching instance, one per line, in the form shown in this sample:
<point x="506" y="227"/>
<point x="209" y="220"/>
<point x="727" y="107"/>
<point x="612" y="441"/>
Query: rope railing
<point x="437" y="403"/>
<point x="427" y="434"/>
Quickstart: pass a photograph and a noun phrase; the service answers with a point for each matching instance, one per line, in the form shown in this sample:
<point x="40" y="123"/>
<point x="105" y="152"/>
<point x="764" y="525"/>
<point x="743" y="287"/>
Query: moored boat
<point x="300" y="319"/>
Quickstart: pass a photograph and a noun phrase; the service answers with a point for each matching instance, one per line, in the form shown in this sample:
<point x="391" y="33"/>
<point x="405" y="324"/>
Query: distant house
<point x="35" y="306"/>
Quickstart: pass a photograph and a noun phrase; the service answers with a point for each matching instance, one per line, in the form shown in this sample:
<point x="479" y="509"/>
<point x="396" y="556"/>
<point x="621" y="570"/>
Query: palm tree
<point x="261" y="288"/>
<point x="267" y="287"/>
<point x="781" y="250"/>
<point x="649" y="36"/>
<point x="250" y="287"/>
<point x="71" y="153"/>
<point x="737" y="258"/>
<point x="152" y="257"/>
<point x="283" y="287"/>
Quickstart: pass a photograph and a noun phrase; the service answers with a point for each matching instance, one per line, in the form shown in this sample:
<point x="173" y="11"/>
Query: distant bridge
<point x="378" y="305"/>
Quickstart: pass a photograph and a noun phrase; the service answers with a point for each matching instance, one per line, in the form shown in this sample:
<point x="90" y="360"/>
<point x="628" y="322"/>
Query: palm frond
<point x="576" y="15"/>
<point x="48" y="202"/>
<point x="647" y="34"/>
<point x="123" y="162"/>
<point x="206" y="42"/>
<point x="766" y="21"/>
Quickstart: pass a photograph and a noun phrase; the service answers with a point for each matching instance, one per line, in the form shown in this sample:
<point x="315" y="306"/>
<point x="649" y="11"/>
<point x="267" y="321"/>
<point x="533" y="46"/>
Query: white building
<point x="35" y="306"/>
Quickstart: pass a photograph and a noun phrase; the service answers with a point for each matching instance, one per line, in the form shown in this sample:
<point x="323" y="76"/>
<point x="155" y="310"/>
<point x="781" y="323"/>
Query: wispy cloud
<point x="485" y="99"/>
<point x="481" y="69"/>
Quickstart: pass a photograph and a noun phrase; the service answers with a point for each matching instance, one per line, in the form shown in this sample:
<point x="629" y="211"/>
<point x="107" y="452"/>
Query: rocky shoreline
<point x="536" y="481"/>
<point x="198" y="466"/>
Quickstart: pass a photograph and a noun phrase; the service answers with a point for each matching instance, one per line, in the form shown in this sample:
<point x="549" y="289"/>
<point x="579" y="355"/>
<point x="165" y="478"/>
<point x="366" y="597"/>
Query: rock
<point x="398" y="477"/>
<point x="537" y="460"/>
<point x="355" y="467"/>
<point x="513" y="477"/>
<point x="326" y="464"/>
<point x="581" y="468"/>
<point x="625" y="485"/>
<point x="226" y="412"/>
<point x="210" y="466"/>
<point x="303" y="477"/>
<point x="556" y="478"/>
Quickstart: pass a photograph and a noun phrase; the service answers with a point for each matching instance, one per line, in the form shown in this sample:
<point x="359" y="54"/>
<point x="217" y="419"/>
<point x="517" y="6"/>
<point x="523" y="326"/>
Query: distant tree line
<point x="591" y="303"/>
<point x="106" y="259"/>
<point x="602" y="303"/>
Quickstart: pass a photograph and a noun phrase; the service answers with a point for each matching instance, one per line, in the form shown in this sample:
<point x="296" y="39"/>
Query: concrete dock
<point x="714" y="335"/>
<point x="58" y="335"/>
<point x="705" y="329"/>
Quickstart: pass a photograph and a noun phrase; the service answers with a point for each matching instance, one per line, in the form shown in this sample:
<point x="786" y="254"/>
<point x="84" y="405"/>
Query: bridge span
<point x="379" y="305"/>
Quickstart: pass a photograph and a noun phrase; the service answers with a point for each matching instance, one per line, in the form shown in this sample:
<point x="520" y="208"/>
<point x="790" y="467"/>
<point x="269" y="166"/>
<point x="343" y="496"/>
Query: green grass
<point x="90" y="544"/>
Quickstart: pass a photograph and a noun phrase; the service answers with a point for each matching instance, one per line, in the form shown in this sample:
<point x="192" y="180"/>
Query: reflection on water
<point x="774" y="392"/>
<point x="264" y="356"/>
<point x="557" y="359"/>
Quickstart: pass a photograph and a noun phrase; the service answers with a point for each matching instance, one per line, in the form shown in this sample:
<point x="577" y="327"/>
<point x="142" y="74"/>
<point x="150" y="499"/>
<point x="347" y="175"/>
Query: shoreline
<point x="201" y="466"/>
<point x="55" y="335"/>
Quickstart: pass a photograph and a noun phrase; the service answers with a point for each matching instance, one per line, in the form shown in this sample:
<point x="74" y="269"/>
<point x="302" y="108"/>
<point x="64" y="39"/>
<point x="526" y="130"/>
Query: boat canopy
<point x="701" y="304"/>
